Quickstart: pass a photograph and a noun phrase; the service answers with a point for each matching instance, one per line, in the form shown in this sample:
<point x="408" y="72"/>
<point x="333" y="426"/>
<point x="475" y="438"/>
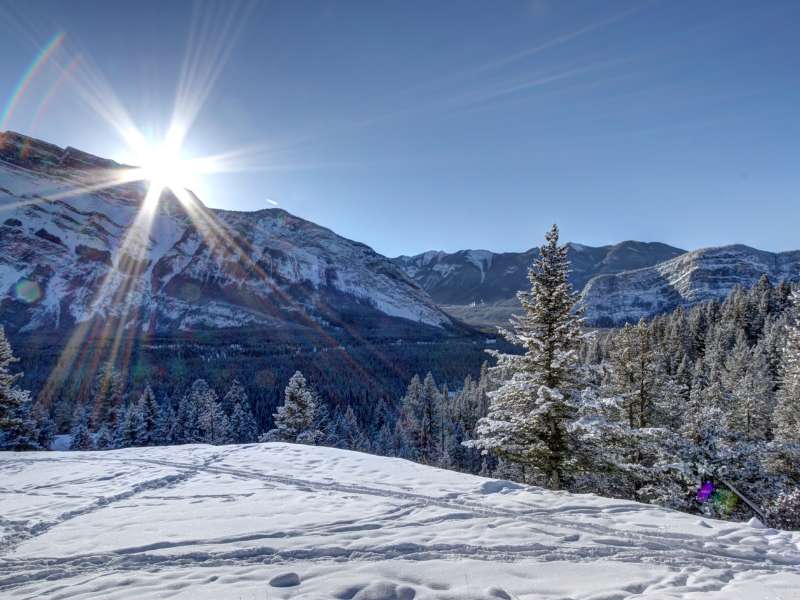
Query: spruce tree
<point x="295" y="421"/>
<point x="18" y="429"/>
<point x="212" y="422"/>
<point x="242" y="424"/>
<point x="147" y="419"/>
<point x="127" y="429"/>
<point x="530" y="413"/>
<point x="787" y="412"/>
<point x="81" y="438"/>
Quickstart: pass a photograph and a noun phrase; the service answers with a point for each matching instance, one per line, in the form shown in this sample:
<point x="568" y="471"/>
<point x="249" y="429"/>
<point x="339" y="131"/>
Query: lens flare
<point x="27" y="291"/>
<point x="29" y="75"/>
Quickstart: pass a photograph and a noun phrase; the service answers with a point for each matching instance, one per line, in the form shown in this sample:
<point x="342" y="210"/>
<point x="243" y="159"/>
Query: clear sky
<point x="423" y="125"/>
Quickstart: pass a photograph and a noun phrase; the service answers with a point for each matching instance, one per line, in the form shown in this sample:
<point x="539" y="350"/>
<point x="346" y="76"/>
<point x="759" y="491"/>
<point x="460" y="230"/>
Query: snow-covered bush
<point x="785" y="510"/>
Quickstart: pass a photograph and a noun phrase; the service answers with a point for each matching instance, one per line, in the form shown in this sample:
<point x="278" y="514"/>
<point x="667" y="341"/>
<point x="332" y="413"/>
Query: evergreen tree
<point x="242" y="424"/>
<point x="530" y="414"/>
<point x="147" y="419"/>
<point x="18" y="429"/>
<point x="212" y="422"/>
<point x="353" y="434"/>
<point x="108" y="394"/>
<point x="295" y="421"/>
<point x="105" y="438"/>
<point x="126" y="432"/>
<point x="165" y="430"/>
<point x="787" y="411"/>
<point x="81" y="438"/>
<point x="45" y="425"/>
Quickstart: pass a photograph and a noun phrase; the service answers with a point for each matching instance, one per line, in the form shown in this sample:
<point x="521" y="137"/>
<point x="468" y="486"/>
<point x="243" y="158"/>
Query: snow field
<point x="205" y="522"/>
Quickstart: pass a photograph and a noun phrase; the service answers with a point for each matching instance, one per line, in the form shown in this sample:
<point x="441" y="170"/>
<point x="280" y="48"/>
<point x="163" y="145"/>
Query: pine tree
<point x="212" y="422"/>
<point x="147" y="419"/>
<point x="81" y="438"/>
<point x="354" y="436"/>
<point x="242" y="424"/>
<point x="787" y="412"/>
<point x="186" y="429"/>
<point x="295" y="421"/>
<point x="105" y="438"/>
<point x="531" y="412"/>
<point x="18" y="429"/>
<point x="108" y="394"/>
<point x="127" y="428"/>
<point x="165" y="430"/>
<point x="408" y="423"/>
<point x="45" y="425"/>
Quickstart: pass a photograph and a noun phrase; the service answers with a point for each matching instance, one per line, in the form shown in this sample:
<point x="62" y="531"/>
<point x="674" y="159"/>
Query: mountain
<point x="70" y="255"/>
<point x="479" y="287"/>
<point x="706" y="274"/>
<point x="478" y="276"/>
<point x="308" y="522"/>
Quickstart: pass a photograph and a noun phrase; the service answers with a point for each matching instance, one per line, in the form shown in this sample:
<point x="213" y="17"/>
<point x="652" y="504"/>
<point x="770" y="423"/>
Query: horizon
<point x="596" y="116"/>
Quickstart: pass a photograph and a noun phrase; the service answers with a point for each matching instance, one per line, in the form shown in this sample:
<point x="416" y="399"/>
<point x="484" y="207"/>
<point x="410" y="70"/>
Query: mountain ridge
<point x="76" y="249"/>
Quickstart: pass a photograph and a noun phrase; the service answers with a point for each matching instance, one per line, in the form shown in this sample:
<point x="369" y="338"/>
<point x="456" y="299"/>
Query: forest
<point x="696" y="410"/>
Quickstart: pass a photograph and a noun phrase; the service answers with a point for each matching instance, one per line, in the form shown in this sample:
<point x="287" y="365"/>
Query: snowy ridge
<point x="492" y="280"/>
<point x="206" y="522"/>
<point x="80" y="256"/>
<point x="706" y="274"/>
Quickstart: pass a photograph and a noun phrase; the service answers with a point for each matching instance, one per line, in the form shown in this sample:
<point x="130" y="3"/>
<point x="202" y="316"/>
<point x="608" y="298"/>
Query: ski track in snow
<point x="408" y="519"/>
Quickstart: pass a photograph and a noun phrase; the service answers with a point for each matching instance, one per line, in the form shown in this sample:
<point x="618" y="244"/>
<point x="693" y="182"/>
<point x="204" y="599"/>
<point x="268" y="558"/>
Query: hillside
<point x="206" y="523"/>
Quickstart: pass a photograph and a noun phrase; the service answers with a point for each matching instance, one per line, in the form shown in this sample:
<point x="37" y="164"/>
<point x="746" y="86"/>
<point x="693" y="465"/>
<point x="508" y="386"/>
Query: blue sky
<point x="447" y="125"/>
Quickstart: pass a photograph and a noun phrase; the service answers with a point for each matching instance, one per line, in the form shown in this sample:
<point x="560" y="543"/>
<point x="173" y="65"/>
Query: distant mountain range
<point x="618" y="284"/>
<point x="481" y="276"/>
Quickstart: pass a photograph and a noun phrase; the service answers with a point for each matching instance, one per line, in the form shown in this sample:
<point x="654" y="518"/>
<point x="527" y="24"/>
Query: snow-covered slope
<point x="710" y="273"/>
<point x="203" y="523"/>
<point x="67" y="257"/>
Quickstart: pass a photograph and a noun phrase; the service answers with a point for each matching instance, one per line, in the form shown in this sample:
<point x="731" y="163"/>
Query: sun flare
<point x="163" y="167"/>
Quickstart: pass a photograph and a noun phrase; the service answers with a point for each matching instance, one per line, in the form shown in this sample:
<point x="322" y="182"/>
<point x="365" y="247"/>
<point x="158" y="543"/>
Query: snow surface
<point x="251" y="521"/>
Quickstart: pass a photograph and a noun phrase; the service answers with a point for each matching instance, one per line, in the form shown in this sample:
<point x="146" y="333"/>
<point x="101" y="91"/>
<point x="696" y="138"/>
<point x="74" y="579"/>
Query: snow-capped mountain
<point x="482" y="276"/>
<point x="70" y="254"/>
<point x="709" y="273"/>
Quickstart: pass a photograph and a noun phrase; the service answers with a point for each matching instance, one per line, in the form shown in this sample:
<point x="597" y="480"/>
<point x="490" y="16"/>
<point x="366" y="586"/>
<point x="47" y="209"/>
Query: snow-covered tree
<point x="295" y="420"/>
<point x="45" y="425"/>
<point x="81" y="438"/>
<point x="242" y="423"/>
<point x="212" y="422"/>
<point x="784" y="512"/>
<point x="108" y="395"/>
<point x="104" y="440"/>
<point x="186" y="430"/>
<point x="127" y="429"/>
<point x="147" y="419"/>
<point x="786" y="419"/>
<point x="421" y="418"/>
<point x="165" y="430"/>
<point x="530" y="413"/>
<point x="18" y="430"/>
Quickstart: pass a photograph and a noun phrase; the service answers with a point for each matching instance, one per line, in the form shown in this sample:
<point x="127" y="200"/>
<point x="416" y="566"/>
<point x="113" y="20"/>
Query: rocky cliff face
<point x="706" y="274"/>
<point x="71" y="254"/>
<point x="618" y="284"/>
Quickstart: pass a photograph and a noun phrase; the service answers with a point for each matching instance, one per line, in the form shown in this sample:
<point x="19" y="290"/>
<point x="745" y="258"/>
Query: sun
<point x="163" y="166"/>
